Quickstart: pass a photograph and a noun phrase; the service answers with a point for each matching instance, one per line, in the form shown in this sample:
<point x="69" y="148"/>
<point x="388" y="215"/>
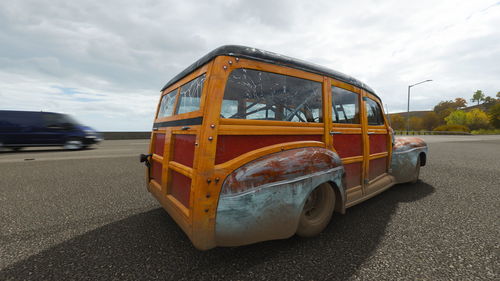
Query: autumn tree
<point x="430" y="120"/>
<point x="397" y="122"/>
<point x="445" y="108"/>
<point x="416" y="123"/>
<point x="476" y="119"/>
<point x="478" y="96"/>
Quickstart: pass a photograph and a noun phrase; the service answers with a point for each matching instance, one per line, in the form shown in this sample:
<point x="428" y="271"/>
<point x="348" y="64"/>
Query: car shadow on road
<point x="150" y="245"/>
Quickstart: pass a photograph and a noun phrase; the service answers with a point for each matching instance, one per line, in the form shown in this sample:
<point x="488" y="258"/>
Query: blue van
<point x="32" y="128"/>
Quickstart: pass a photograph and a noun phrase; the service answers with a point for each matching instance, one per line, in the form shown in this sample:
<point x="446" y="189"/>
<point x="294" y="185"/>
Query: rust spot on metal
<point x="281" y="166"/>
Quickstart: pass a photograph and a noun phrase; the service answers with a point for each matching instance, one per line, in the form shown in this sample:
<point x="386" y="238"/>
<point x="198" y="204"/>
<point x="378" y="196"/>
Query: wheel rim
<point x="73" y="144"/>
<point x="314" y="206"/>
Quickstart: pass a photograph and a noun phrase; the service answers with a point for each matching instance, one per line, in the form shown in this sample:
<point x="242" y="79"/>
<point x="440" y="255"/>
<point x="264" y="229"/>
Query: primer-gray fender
<point x="404" y="157"/>
<point x="263" y="199"/>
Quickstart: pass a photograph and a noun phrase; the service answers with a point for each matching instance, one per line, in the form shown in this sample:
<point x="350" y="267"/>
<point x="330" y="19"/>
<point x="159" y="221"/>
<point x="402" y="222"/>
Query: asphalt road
<point x="87" y="215"/>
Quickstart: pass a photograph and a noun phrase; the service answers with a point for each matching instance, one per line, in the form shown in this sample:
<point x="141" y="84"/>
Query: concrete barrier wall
<point x="125" y="135"/>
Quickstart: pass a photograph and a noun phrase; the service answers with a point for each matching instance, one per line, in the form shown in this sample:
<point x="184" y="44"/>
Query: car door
<point x="347" y="136"/>
<point x="378" y="144"/>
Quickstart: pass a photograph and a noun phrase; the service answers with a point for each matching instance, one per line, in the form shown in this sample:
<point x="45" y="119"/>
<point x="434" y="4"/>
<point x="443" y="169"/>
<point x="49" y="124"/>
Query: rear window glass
<point x="167" y="104"/>
<point x="190" y="94"/>
<point x="259" y="95"/>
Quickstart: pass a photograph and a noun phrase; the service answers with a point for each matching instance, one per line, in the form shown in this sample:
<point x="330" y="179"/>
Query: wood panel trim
<point x="268" y="130"/>
<point x="354" y="159"/>
<point x="379" y="155"/>
<point x="244" y="122"/>
<point x="178" y="167"/>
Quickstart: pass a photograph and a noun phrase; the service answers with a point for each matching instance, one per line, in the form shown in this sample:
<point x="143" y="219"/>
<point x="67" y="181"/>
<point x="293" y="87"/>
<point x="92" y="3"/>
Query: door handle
<point x="335" y="133"/>
<point x="371" y="133"/>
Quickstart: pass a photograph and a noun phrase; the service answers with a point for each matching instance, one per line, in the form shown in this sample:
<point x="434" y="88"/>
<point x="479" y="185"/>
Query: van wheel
<point x="417" y="171"/>
<point x="73" y="144"/>
<point x="317" y="211"/>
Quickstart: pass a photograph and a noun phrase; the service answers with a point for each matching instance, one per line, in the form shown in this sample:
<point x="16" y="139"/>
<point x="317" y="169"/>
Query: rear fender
<point x="263" y="199"/>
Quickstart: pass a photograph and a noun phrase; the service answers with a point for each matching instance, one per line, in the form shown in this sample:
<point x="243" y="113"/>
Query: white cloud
<point x="116" y="55"/>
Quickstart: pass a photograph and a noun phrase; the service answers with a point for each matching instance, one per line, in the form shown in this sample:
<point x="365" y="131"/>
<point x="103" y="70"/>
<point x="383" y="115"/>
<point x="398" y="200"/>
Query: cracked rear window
<point x="259" y="95"/>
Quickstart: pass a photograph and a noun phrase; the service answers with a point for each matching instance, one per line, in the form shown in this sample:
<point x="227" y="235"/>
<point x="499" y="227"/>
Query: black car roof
<point x="269" y="57"/>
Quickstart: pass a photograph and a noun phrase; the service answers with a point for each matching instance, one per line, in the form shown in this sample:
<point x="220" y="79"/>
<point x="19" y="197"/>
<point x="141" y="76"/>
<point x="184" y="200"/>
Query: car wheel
<point x="417" y="171"/>
<point x="16" y="148"/>
<point x="73" y="144"/>
<point x="317" y="211"/>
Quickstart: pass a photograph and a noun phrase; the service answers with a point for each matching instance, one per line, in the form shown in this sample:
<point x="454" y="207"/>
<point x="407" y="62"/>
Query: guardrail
<point x="125" y="135"/>
<point x="407" y="133"/>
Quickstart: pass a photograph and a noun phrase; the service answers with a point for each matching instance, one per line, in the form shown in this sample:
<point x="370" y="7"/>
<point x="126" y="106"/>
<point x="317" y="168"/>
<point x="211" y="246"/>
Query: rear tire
<point x="317" y="211"/>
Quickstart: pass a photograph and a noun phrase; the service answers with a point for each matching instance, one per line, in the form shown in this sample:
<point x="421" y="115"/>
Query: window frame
<point x="253" y="110"/>
<point x="275" y="69"/>
<point x="382" y="115"/>
<point x="176" y="87"/>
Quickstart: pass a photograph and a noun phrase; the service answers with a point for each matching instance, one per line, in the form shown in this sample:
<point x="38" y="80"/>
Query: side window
<point x="51" y="120"/>
<point x="345" y="106"/>
<point x="190" y="94"/>
<point x="373" y="112"/>
<point x="167" y="104"/>
<point x="259" y="95"/>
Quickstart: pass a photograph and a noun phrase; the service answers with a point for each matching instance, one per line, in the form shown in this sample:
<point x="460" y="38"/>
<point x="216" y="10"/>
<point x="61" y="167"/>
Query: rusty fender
<point x="404" y="157"/>
<point x="263" y="199"/>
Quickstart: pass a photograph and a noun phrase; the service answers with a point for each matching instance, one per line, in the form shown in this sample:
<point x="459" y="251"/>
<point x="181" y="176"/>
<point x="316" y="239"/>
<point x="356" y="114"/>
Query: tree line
<point x="454" y="115"/>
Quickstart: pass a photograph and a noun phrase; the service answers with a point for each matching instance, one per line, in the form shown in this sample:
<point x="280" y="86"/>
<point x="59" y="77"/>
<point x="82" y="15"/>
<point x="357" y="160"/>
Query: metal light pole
<point x="408" y="108"/>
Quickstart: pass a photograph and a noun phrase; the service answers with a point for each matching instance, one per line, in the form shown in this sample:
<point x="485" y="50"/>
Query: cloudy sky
<point x="105" y="61"/>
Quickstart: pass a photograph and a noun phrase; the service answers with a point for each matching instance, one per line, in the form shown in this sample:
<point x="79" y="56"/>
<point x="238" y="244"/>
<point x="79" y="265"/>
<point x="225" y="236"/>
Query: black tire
<point x="16" y="148"/>
<point x="73" y="144"/>
<point x="417" y="171"/>
<point x="317" y="211"/>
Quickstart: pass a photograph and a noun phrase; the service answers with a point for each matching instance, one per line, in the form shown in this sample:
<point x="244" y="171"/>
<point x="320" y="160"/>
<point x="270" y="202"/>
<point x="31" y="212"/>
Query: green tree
<point x="476" y="119"/>
<point x="430" y="120"/>
<point x="478" y="96"/>
<point x="494" y="114"/>
<point x="498" y="95"/>
<point x="489" y="102"/>
<point x="457" y="117"/>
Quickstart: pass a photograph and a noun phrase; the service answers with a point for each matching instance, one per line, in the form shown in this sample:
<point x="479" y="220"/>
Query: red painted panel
<point x="348" y="145"/>
<point x="159" y="144"/>
<point x="377" y="167"/>
<point x="156" y="171"/>
<point x="180" y="187"/>
<point x="378" y="143"/>
<point x="184" y="149"/>
<point x="230" y="147"/>
<point x="353" y="174"/>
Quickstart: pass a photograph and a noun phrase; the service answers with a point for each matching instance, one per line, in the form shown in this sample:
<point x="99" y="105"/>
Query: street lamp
<point x="408" y="108"/>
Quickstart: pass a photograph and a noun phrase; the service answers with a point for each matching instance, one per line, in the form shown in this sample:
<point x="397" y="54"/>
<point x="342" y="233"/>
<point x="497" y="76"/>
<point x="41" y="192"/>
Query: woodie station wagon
<point x="249" y="145"/>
